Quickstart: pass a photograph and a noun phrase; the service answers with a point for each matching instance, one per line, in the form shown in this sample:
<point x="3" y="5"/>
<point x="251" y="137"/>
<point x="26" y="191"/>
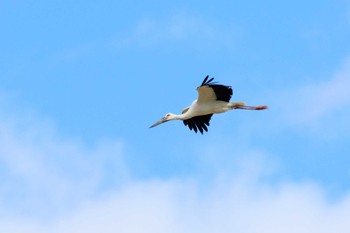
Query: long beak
<point x="159" y="122"/>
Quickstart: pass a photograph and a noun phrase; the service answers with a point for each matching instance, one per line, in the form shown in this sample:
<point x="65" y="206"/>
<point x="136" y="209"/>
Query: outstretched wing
<point x="198" y="123"/>
<point x="185" y="110"/>
<point x="210" y="91"/>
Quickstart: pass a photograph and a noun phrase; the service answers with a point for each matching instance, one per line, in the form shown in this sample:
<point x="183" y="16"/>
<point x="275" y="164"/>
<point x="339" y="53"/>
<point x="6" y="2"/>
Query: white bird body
<point x="212" y="99"/>
<point x="200" y="108"/>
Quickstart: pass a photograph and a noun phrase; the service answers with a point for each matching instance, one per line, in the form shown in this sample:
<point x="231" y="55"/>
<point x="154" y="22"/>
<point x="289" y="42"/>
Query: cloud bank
<point x="179" y="206"/>
<point x="43" y="173"/>
<point x="53" y="184"/>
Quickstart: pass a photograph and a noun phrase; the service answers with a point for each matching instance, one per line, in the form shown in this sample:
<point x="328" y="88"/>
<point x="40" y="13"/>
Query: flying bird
<point x="212" y="98"/>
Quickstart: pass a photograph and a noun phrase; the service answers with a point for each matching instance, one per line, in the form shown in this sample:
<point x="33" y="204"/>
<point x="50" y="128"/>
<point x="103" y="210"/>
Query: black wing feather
<point x="206" y="81"/>
<point x="198" y="123"/>
<point x="222" y="92"/>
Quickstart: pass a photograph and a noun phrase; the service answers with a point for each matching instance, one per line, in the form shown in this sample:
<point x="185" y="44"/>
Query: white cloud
<point x="42" y="172"/>
<point x="50" y="184"/>
<point x="234" y="205"/>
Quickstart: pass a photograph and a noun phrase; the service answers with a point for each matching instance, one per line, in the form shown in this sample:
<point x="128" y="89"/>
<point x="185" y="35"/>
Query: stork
<point x="212" y="98"/>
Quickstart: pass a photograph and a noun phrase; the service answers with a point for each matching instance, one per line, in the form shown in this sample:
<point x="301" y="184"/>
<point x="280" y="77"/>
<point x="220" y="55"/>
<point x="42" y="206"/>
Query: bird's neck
<point x="179" y="117"/>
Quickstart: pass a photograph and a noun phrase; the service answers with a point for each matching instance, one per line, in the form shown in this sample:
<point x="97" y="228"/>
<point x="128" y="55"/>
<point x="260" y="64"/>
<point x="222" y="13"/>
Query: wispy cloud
<point x="322" y="98"/>
<point x="320" y="106"/>
<point x="178" y="27"/>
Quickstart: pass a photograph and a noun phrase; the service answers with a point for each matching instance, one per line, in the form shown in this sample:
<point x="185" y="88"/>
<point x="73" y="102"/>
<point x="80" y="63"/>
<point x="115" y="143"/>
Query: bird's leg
<point x="235" y="105"/>
<point x="252" y="107"/>
<point x="241" y="105"/>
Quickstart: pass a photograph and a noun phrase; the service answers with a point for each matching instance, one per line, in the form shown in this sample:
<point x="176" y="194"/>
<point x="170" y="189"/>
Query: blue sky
<point x="82" y="81"/>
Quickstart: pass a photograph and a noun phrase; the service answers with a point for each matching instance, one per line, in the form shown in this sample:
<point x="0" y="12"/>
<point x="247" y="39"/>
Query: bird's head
<point x="167" y="117"/>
